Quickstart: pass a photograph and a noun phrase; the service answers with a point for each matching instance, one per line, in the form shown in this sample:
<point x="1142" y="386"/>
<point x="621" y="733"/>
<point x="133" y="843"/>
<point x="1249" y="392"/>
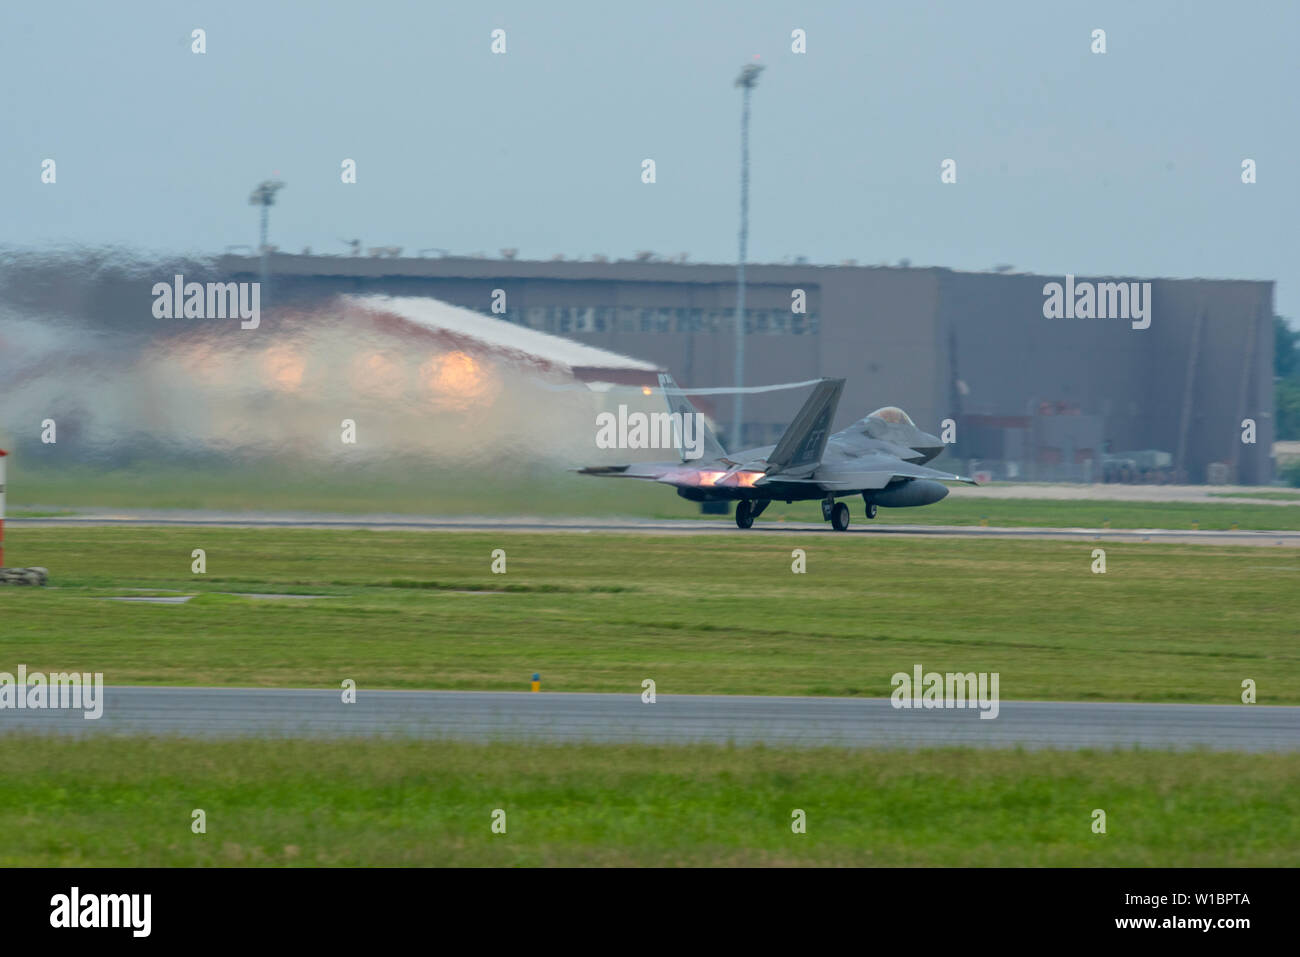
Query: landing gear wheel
<point x="744" y="514"/>
<point x="840" y="517"/>
<point x="871" y="510"/>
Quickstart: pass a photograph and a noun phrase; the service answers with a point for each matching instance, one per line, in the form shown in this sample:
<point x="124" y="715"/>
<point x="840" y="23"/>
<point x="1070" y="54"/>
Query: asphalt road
<point x="672" y="719"/>
<point x="214" y="519"/>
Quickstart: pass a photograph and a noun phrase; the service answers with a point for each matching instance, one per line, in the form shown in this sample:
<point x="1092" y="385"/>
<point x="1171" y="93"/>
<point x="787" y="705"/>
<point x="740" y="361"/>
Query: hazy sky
<point x="1067" y="161"/>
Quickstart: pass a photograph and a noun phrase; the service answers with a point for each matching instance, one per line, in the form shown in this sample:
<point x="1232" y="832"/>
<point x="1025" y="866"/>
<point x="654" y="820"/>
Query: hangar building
<point x="1031" y="397"/>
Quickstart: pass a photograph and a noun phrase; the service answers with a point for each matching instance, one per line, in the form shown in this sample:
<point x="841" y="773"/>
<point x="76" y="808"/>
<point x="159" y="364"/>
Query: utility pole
<point x="746" y="81"/>
<point x="264" y="195"/>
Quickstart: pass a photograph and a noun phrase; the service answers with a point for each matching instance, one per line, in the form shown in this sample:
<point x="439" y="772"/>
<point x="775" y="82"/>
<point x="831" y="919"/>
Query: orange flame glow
<point x="457" y="379"/>
<point x="379" y="373"/>
<point x="284" y="367"/>
<point x="738" y="480"/>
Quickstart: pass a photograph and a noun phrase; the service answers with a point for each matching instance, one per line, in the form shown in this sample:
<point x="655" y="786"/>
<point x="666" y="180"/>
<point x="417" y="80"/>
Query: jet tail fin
<point x="679" y="403"/>
<point x="804" y="442"/>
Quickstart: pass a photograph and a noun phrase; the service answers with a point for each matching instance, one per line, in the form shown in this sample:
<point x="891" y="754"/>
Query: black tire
<point x="871" y="510"/>
<point x="840" y="517"/>
<point x="744" y="514"/>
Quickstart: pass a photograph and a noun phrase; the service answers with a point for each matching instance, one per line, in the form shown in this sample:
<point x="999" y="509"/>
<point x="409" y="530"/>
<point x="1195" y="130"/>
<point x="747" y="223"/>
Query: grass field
<point x="128" y="802"/>
<point x="601" y="612"/>
<point x="704" y="614"/>
<point x="271" y="488"/>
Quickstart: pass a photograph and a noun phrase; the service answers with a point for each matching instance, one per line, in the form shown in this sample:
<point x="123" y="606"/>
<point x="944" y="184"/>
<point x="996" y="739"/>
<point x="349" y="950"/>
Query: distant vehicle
<point x="1147" y="466"/>
<point x="878" y="457"/>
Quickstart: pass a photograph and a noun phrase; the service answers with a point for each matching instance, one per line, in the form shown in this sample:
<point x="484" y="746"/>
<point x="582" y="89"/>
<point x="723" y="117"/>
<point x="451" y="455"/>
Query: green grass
<point x="699" y="614"/>
<point x="129" y="802"/>
<point x="271" y="486"/>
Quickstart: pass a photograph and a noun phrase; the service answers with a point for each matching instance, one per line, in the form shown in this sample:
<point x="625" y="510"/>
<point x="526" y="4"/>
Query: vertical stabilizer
<point x="679" y="403"/>
<point x="804" y="442"/>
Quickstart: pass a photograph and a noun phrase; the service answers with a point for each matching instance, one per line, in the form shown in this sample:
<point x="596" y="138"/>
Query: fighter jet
<point x="879" y="457"/>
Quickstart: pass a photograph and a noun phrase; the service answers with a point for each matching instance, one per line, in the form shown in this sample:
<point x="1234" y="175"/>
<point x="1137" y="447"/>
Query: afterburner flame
<point x="738" y="480"/>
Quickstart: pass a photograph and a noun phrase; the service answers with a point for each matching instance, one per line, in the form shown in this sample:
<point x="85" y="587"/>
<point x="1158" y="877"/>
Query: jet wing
<point x="677" y="474"/>
<point x="873" y="476"/>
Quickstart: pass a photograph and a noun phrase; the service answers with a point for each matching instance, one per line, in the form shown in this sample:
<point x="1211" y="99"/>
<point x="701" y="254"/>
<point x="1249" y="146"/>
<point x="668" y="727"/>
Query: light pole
<point x="264" y="195"/>
<point x="746" y="81"/>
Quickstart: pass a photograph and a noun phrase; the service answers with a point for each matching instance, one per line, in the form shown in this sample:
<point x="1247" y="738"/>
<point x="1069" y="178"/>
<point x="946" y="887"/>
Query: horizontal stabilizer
<point x="602" y="469"/>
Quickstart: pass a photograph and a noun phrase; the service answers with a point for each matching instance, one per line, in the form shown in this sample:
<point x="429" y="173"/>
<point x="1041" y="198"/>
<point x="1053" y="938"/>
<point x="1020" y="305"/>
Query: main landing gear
<point x="747" y="511"/>
<point x="837" y="513"/>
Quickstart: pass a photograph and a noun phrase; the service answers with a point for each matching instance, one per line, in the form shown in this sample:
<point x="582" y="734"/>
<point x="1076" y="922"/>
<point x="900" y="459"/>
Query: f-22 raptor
<point x="879" y="457"/>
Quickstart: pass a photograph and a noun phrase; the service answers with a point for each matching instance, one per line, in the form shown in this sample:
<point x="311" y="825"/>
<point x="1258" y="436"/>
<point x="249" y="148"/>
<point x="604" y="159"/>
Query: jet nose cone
<point x="929" y="445"/>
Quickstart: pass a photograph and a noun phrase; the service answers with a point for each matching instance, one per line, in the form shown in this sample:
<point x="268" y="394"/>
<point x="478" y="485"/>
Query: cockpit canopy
<point x="893" y="415"/>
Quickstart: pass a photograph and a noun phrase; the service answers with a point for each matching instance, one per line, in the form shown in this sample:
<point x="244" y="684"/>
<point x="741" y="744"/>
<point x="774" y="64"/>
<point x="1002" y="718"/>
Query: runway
<point x="1120" y="492"/>
<point x="671" y="719"/>
<point x="443" y="523"/>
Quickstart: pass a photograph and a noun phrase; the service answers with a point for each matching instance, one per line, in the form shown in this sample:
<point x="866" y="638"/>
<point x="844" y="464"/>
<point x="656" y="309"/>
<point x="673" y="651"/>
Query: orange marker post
<point x="3" y="453"/>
